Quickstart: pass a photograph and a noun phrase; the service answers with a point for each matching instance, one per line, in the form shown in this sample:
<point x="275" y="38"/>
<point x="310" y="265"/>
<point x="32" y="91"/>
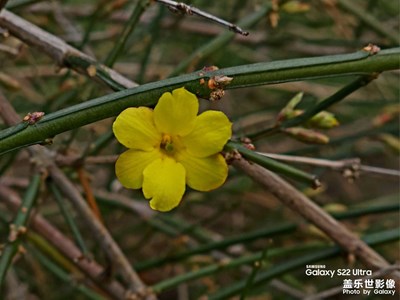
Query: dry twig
<point x="88" y="266"/>
<point x="180" y="7"/>
<point x="299" y="203"/>
<point x="53" y="46"/>
<point x="43" y="158"/>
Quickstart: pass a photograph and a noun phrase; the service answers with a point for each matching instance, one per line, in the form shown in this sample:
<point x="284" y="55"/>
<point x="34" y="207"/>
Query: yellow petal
<point x="204" y="174"/>
<point x="164" y="183"/>
<point x="175" y="113"/>
<point x="211" y="132"/>
<point x="134" y="128"/>
<point x="130" y="165"/>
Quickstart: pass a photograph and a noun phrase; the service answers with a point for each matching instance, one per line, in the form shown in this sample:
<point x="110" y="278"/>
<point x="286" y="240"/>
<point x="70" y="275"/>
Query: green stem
<point x="63" y="276"/>
<point x="243" y="238"/>
<point x="234" y="263"/>
<point x="219" y="41"/>
<point x="248" y="75"/>
<point x="256" y="267"/>
<point x="286" y="266"/>
<point x="323" y="105"/>
<point x="273" y="165"/>
<point x="151" y="36"/>
<point x="130" y="26"/>
<point x="369" y="208"/>
<point x="68" y="218"/>
<point x="18" y="227"/>
<point x="370" y="21"/>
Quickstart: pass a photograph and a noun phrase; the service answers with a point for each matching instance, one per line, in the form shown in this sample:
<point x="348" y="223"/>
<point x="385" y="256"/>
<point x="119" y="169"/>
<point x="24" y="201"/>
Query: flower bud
<point x="307" y="135"/>
<point x="287" y="111"/>
<point x="294" y="6"/>
<point x="323" y="120"/>
<point x="391" y="141"/>
<point x="389" y="113"/>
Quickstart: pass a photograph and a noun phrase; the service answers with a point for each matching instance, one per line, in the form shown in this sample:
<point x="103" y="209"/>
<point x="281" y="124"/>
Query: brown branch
<point x="89" y="267"/>
<point x="89" y="193"/>
<point x="101" y="234"/>
<point x="43" y="159"/>
<point x="3" y="4"/>
<point x="53" y="46"/>
<point x="299" y="203"/>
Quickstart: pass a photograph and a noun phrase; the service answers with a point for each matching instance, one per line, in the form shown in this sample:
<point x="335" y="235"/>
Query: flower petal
<point x="175" y="113"/>
<point x="134" y="128"/>
<point x="130" y="165"/>
<point x="211" y="131"/>
<point x="164" y="183"/>
<point x="204" y="174"/>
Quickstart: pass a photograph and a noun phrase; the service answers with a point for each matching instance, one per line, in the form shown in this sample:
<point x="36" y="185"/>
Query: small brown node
<point x="21" y="249"/>
<point x="33" y="117"/>
<point x="248" y="143"/>
<point x="372" y="49"/>
<point x="91" y="70"/>
<point x="231" y="156"/>
<point x="210" y="68"/>
<point x="217" y="94"/>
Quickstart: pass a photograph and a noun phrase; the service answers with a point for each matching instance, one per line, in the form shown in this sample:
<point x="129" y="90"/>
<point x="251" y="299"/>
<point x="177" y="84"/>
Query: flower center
<point x="167" y="144"/>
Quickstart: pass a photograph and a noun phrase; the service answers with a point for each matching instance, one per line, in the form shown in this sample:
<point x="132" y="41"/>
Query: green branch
<point x="17" y="229"/>
<point x="358" y="63"/>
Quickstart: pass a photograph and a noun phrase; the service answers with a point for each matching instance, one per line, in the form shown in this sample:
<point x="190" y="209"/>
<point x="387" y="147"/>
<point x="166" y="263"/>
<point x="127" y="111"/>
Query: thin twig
<point x="100" y="232"/>
<point x="88" y="266"/>
<point x="189" y="10"/>
<point x="299" y="203"/>
<point x="341" y="165"/>
<point x="67" y="25"/>
<point x="43" y="158"/>
<point x="89" y="193"/>
<point x="57" y="49"/>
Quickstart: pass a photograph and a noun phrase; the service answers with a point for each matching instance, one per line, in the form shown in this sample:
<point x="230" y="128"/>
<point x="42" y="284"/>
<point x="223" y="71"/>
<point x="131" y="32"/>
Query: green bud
<point x="286" y="112"/>
<point x="323" y="120"/>
<point x="294" y="6"/>
<point x="393" y="142"/>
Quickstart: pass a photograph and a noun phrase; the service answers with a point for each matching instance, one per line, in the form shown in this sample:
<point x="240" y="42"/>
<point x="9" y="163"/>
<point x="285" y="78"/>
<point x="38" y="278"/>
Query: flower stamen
<point x="166" y="143"/>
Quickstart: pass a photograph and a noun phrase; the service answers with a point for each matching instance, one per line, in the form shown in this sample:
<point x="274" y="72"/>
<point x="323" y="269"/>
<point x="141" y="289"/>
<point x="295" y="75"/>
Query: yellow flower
<point x="171" y="146"/>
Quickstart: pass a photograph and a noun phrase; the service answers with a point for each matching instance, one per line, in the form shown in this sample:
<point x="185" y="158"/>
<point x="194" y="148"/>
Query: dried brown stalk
<point x="53" y="46"/>
<point x="43" y="159"/>
<point x="88" y="266"/>
<point x="299" y="203"/>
